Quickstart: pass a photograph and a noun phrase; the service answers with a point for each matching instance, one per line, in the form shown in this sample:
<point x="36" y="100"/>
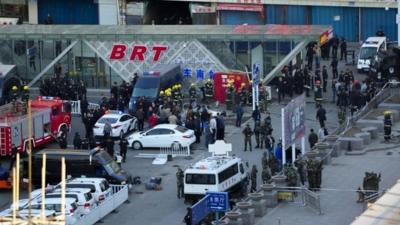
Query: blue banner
<point x="256" y="74"/>
<point x="200" y="74"/>
<point x="187" y="72"/>
<point x="211" y="74"/>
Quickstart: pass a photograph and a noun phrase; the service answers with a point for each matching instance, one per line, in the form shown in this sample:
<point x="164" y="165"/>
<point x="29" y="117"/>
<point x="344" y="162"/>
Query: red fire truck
<point x="49" y="116"/>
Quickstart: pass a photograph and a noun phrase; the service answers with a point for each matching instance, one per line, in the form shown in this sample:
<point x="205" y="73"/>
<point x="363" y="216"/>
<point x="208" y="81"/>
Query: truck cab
<point x="386" y="65"/>
<point x="60" y="112"/>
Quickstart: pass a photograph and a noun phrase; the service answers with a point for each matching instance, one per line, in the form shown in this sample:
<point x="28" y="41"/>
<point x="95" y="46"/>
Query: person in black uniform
<point x="123" y="146"/>
<point x="387" y="122"/>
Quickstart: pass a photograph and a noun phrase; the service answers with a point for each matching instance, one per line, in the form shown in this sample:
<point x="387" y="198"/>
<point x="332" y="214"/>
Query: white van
<point x="368" y="50"/>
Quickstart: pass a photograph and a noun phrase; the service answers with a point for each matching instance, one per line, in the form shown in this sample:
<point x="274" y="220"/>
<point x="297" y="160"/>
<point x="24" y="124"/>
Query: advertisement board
<point x="293" y="123"/>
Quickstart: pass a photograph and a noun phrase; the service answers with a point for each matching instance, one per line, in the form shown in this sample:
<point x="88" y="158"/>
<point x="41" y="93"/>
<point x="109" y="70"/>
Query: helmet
<point x="14" y="88"/>
<point x="26" y="88"/>
<point x="387" y="113"/>
<point x="161" y="92"/>
<point x="192" y="84"/>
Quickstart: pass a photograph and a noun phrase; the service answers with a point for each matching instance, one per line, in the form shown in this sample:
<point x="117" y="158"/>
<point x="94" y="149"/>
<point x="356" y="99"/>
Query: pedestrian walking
<point x="77" y="141"/>
<point x="312" y="138"/>
<point x="256" y="115"/>
<point x="321" y="116"/>
<point x="140" y="118"/>
<point x="343" y="50"/>
<point x="257" y="132"/>
<point x="179" y="182"/>
<point x="239" y="114"/>
<point x="253" y="178"/>
<point x="123" y="147"/>
<point x="247" y="132"/>
<point x="324" y="78"/>
<point x="213" y="129"/>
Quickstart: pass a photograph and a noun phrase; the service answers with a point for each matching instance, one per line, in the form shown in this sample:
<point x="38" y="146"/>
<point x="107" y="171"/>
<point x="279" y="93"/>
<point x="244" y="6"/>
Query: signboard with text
<point x="218" y="201"/>
<point x="293" y="121"/>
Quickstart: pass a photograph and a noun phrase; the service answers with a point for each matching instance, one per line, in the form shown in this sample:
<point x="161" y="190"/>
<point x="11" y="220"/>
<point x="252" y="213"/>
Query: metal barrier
<point x="312" y="200"/>
<point x="119" y="196"/>
<point x="176" y="151"/>
<point x="76" y="106"/>
<point x="383" y="94"/>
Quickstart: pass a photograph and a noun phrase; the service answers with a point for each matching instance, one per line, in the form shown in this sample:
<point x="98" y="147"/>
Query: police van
<point x="219" y="172"/>
<point x="368" y="51"/>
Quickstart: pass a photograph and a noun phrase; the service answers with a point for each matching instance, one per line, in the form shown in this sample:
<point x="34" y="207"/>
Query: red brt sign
<point x="119" y="52"/>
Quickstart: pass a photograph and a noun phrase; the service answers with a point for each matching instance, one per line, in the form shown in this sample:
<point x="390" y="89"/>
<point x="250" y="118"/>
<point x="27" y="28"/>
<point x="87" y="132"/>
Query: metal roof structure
<point x="157" y="32"/>
<point x="385" y="211"/>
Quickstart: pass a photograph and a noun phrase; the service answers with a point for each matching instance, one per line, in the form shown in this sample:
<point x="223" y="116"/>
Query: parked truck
<point x="386" y="65"/>
<point x="50" y="115"/>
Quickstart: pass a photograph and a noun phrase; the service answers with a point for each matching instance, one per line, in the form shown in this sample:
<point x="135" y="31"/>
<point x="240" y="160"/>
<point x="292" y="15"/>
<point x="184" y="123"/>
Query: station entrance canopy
<point x="101" y="55"/>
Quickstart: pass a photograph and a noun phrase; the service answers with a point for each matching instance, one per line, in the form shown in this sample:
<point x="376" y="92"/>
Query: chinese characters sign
<point x="293" y="121"/>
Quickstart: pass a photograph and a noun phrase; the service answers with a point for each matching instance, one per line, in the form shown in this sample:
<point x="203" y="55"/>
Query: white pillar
<point x="303" y="145"/>
<point x="283" y="135"/>
<point x="253" y="99"/>
<point x="398" y="22"/>
<point x="256" y="96"/>
<point x="293" y="153"/>
<point x="33" y="11"/>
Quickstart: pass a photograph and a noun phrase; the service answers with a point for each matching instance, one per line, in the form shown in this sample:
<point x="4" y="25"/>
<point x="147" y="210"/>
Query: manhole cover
<point x="139" y="192"/>
<point x="389" y="153"/>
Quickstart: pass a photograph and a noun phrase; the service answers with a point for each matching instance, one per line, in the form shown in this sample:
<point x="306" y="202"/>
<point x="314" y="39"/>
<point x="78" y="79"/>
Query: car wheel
<point x="176" y="146"/>
<point x="136" y="145"/>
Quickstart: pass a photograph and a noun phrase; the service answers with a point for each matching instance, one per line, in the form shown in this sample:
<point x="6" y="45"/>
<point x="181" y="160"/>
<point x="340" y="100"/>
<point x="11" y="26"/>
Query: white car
<point x="83" y="196"/>
<point x="55" y="204"/>
<point x="121" y="123"/>
<point x="162" y="135"/>
<point x="99" y="187"/>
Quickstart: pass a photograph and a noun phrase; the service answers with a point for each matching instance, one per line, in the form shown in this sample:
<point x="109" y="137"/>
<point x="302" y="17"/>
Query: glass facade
<point x="14" y="9"/>
<point x="86" y="52"/>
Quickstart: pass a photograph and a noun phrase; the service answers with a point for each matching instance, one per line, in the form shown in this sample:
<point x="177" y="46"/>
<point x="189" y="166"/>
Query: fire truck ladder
<point x="3" y="141"/>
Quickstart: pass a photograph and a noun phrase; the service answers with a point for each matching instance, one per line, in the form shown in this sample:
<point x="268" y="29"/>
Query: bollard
<point x="247" y="212"/>
<point x="279" y="180"/>
<point x="258" y="204"/>
<point x="234" y="218"/>
<point x="270" y="195"/>
<point x="311" y="154"/>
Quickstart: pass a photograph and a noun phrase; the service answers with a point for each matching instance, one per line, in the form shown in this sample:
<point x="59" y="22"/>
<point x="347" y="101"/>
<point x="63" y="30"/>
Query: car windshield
<point x="181" y="129"/>
<point x="107" y="119"/>
<point x="146" y="87"/>
<point x="200" y="179"/>
<point x="367" y="52"/>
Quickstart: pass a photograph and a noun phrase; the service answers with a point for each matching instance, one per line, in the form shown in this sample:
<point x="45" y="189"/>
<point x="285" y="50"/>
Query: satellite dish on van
<point x="220" y="148"/>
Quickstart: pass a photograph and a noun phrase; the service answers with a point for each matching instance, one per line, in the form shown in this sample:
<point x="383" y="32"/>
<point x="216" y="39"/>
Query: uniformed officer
<point x="264" y="160"/>
<point x="229" y="95"/>
<point x="317" y="93"/>
<point x="14" y="97"/>
<point x="179" y="182"/>
<point x="266" y="174"/>
<point x="387" y="123"/>
<point x="257" y="131"/>
<point x="247" y="132"/>
<point x="123" y="146"/>
<point x="263" y="134"/>
<point x="253" y="178"/>
<point x="160" y="99"/>
<point x="300" y="163"/>
<point x="193" y="92"/>
<point x="209" y="89"/>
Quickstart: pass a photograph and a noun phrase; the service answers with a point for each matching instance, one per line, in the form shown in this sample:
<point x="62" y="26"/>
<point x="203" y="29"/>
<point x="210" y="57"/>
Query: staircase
<point x="222" y="51"/>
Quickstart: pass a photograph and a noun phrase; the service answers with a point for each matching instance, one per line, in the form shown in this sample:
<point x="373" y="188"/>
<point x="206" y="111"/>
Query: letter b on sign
<point x="118" y="52"/>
